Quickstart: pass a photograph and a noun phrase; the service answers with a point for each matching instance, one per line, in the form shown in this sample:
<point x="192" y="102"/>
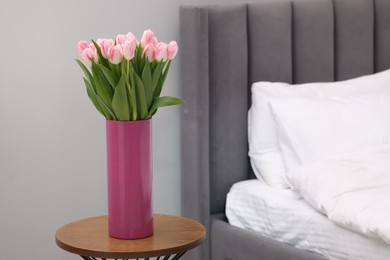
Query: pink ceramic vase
<point x="129" y="172"/>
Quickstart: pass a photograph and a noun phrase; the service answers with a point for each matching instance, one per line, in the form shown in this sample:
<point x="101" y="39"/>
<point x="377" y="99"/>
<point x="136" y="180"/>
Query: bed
<point x="224" y="49"/>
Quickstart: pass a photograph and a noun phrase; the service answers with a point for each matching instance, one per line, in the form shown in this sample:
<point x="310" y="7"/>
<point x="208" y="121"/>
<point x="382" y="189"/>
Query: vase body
<point x="129" y="179"/>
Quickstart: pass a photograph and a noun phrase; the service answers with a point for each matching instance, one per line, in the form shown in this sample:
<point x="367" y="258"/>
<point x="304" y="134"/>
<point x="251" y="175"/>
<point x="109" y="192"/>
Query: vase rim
<point x="129" y="121"/>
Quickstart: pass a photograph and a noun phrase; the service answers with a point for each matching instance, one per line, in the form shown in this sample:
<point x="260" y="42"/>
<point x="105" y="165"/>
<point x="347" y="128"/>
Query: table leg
<point x="168" y="257"/>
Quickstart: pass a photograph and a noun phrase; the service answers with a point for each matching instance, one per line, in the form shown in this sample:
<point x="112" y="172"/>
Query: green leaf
<point x="92" y="96"/>
<point x="111" y="77"/>
<point x="133" y="97"/>
<point x="166" y="70"/>
<point x="141" y="98"/>
<point x="157" y="74"/>
<point x="157" y="90"/>
<point x="110" y="114"/>
<point x="128" y="96"/>
<point x="86" y="71"/>
<point x="102" y="60"/>
<point x="123" y="66"/>
<point x="142" y="63"/>
<point x="134" y="64"/>
<point x="137" y="57"/>
<point x="140" y="59"/>
<point x="119" y="101"/>
<point x="103" y="88"/>
<point x="163" y="102"/>
<point x="148" y="84"/>
<point x="115" y="69"/>
<point x="139" y="53"/>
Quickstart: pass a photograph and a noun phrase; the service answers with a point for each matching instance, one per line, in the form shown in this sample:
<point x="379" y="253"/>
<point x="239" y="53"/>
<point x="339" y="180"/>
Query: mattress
<point x="282" y="215"/>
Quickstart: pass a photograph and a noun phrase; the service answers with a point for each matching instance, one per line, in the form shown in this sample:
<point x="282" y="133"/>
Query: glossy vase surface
<point x="129" y="178"/>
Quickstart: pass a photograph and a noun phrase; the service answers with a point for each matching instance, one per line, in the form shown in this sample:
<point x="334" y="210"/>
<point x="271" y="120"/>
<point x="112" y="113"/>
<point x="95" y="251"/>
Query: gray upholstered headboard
<point x="224" y="48"/>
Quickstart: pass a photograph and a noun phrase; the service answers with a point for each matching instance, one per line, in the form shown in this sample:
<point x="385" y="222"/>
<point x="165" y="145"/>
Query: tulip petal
<point x="148" y="38"/>
<point x="82" y="45"/>
<point x="161" y="52"/>
<point x="172" y="50"/>
<point x="114" y="54"/>
<point x="149" y="52"/>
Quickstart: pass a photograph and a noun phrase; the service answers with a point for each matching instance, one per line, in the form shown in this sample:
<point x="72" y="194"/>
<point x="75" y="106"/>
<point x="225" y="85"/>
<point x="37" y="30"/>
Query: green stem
<point x="127" y="72"/>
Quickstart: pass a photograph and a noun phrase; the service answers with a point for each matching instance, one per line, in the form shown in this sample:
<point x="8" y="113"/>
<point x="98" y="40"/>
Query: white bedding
<point x="281" y="214"/>
<point x="352" y="190"/>
<point x="267" y="155"/>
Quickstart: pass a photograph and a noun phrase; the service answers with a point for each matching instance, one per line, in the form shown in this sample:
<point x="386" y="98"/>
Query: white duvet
<point x="353" y="190"/>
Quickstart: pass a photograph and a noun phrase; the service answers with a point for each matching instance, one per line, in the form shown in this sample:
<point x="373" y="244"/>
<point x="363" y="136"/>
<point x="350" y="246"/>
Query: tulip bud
<point x="88" y="55"/>
<point x="172" y="50"/>
<point x="128" y="48"/>
<point x="149" y="52"/>
<point x="130" y="36"/>
<point x="120" y="39"/>
<point x="105" y="44"/>
<point x="114" y="54"/>
<point x="81" y="46"/>
<point x="128" y="43"/>
<point x="92" y="46"/>
<point x="161" y="52"/>
<point x="99" y="42"/>
<point x="148" y="38"/>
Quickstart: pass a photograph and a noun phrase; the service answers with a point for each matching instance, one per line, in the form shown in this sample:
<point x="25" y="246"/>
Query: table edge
<point x="139" y="254"/>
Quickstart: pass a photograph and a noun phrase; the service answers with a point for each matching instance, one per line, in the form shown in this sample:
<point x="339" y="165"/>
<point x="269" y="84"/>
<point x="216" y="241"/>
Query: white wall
<point x="52" y="141"/>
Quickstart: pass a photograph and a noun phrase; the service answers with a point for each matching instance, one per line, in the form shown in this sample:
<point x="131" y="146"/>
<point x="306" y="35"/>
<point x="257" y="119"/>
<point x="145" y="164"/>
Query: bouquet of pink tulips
<point x="126" y="76"/>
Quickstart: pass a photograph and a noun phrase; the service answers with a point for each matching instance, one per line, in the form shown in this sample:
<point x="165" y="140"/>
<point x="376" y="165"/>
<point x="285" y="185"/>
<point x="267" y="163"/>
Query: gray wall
<point x="52" y="141"/>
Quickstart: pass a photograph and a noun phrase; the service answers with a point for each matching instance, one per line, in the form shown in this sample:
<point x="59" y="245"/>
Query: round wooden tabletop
<point x="89" y="237"/>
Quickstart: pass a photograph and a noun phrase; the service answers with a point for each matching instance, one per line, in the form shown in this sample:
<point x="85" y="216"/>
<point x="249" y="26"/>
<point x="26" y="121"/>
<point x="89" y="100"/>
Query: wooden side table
<point x="172" y="237"/>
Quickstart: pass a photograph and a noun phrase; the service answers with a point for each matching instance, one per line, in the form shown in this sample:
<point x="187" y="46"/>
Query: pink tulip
<point x="82" y="45"/>
<point x="172" y="50"/>
<point x="161" y="52"/>
<point x="99" y="42"/>
<point x="88" y="55"/>
<point x="149" y="52"/>
<point x="120" y="39"/>
<point x="148" y="38"/>
<point x="104" y="45"/>
<point x="128" y="43"/>
<point x="92" y="46"/>
<point x="114" y="54"/>
<point x="130" y="36"/>
<point x="128" y="48"/>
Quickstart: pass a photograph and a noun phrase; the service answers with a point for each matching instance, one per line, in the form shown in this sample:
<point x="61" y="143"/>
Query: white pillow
<point x="321" y="128"/>
<point x="264" y="150"/>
